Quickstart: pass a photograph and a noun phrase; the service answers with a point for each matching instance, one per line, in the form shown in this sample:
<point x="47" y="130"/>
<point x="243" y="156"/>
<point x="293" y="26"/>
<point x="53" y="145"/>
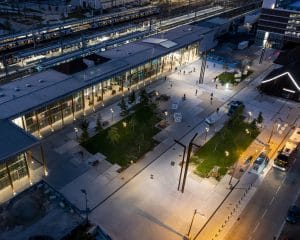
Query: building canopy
<point x="13" y="140"/>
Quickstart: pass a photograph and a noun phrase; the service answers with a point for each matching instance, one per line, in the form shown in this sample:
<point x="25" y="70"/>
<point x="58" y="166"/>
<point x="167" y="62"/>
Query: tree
<point x="236" y="117"/>
<point x="84" y="136"/>
<point x="140" y="140"/>
<point x="132" y="123"/>
<point x="98" y="127"/>
<point x="144" y="99"/>
<point x="260" y="118"/>
<point x="84" y="125"/>
<point x="132" y="97"/>
<point x="113" y="135"/>
<point x="124" y="107"/>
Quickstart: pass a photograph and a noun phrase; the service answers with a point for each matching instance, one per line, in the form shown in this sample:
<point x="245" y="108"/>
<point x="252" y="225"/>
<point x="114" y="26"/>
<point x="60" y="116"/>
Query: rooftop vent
<point x="17" y="89"/>
<point x="28" y="85"/>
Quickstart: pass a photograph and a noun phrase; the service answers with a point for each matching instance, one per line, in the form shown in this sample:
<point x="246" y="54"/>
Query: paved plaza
<point x="132" y="204"/>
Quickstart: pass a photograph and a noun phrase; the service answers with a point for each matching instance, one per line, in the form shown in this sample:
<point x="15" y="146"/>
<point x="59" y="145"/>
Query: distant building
<point x="279" y="23"/>
<point x="285" y="80"/>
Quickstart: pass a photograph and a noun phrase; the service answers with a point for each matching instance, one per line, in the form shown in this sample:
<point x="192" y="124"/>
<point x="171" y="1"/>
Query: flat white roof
<point x="26" y="94"/>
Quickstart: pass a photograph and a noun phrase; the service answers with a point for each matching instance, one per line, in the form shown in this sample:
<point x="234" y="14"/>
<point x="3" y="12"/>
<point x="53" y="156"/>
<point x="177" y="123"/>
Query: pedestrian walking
<point x="211" y="99"/>
<point x="165" y="78"/>
<point x="218" y="110"/>
<point x="194" y="69"/>
<point x="171" y="85"/>
<point x="183" y="72"/>
<point x="196" y="92"/>
<point x="211" y="95"/>
<point x="216" y="86"/>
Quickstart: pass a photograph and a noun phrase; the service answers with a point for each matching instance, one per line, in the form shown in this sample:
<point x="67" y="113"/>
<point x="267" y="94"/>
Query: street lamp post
<point x="250" y="116"/>
<point x="86" y="205"/>
<point x="166" y="115"/>
<point x="182" y="163"/>
<point x="76" y="132"/>
<point x="112" y="114"/>
<point x="278" y="127"/>
<point x="206" y="132"/>
<point x="191" y="144"/>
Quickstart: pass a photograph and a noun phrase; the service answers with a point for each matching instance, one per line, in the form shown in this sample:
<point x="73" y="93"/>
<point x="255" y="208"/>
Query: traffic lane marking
<point x="272" y="200"/>
<point x="264" y="213"/>
<point x="256" y="227"/>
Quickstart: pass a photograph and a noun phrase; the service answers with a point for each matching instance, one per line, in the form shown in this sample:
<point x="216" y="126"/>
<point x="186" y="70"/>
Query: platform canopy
<point x="13" y="140"/>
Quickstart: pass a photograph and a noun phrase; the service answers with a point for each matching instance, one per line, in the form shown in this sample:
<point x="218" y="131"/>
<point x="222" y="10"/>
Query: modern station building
<point x="34" y="106"/>
<point x="279" y="23"/>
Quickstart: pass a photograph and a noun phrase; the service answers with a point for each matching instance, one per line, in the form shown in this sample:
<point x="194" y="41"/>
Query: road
<point x="264" y="216"/>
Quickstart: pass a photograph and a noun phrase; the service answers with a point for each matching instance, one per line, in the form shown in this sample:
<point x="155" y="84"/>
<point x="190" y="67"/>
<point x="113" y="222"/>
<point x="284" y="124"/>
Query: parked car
<point x="233" y="106"/>
<point x="209" y="121"/>
<point x="260" y="162"/>
<point x="293" y="214"/>
<point x="235" y="103"/>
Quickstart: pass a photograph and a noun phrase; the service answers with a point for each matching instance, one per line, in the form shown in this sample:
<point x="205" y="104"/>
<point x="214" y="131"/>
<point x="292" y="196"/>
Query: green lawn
<point x="226" y="77"/>
<point x="135" y="139"/>
<point x="232" y="138"/>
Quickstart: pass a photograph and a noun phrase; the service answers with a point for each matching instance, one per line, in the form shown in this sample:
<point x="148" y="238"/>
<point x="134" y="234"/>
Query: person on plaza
<point x="196" y="92"/>
<point x="212" y="94"/>
<point x="211" y="99"/>
<point x="218" y="110"/>
<point x="194" y="69"/>
<point x="216" y="86"/>
<point x="171" y="85"/>
<point x="184" y="97"/>
<point x="183" y="72"/>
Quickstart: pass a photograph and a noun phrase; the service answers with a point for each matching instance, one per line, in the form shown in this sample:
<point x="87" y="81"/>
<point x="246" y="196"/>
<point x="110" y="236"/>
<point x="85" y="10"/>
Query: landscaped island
<point x="128" y="140"/>
<point x="225" y="147"/>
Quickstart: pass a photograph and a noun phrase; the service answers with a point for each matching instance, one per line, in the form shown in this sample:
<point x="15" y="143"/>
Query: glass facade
<point x="13" y="170"/>
<point x="55" y="115"/>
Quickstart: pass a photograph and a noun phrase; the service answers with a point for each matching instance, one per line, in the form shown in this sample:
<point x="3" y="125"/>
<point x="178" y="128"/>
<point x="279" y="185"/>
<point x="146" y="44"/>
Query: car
<point x="260" y="162"/>
<point x="293" y="214"/>
<point x="281" y="162"/>
<point x="235" y="103"/>
<point x="233" y="106"/>
<point x="209" y="121"/>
